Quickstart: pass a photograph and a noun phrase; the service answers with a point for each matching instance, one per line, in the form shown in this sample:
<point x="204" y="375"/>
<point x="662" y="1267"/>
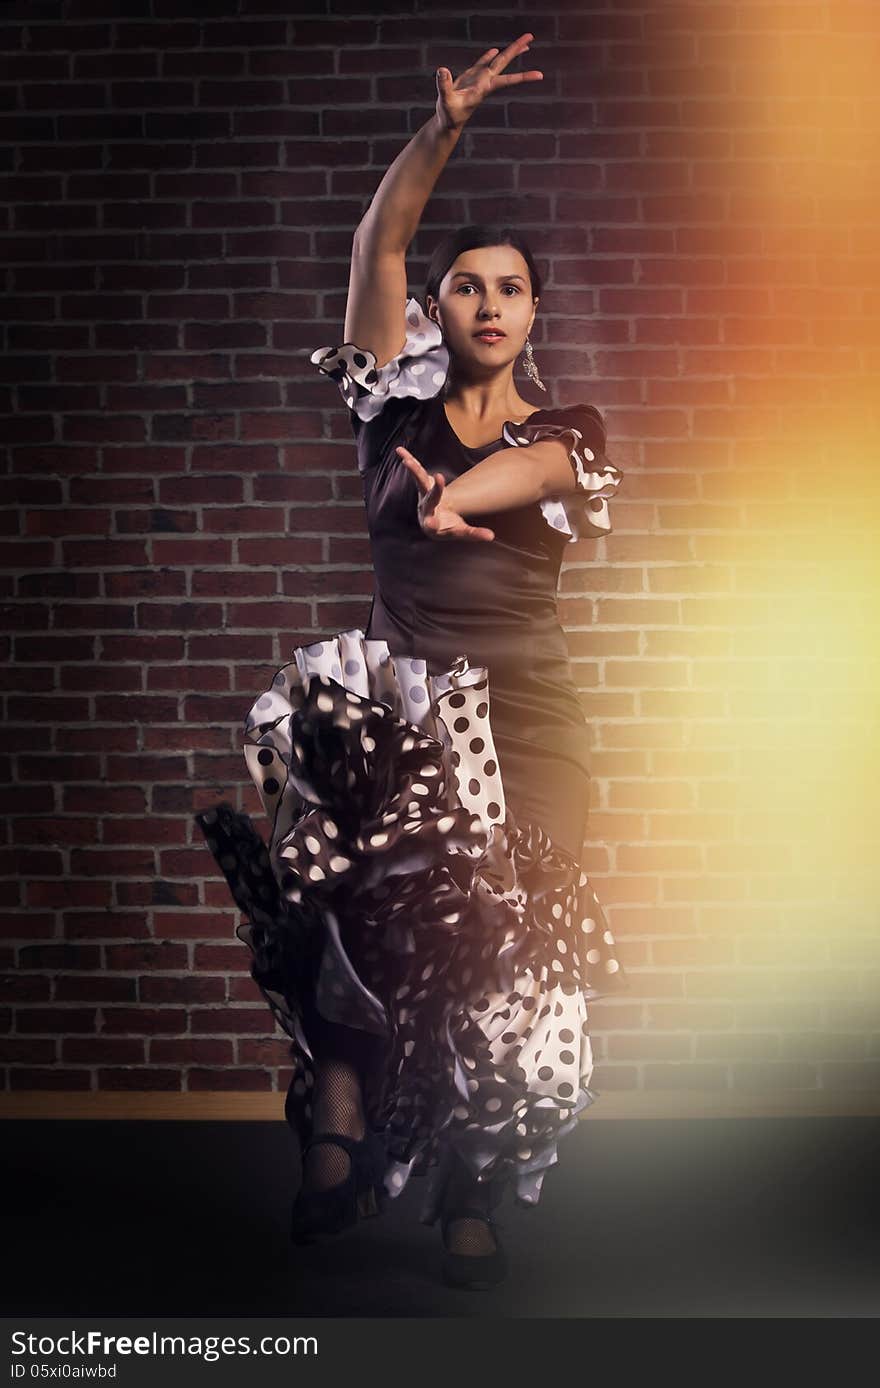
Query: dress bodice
<point x="493" y="599"/>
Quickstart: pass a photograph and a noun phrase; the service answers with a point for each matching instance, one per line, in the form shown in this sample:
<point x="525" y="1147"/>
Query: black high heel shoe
<point x="321" y="1214"/>
<point x="466" y="1198"/>
<point x="477" y="1270"/>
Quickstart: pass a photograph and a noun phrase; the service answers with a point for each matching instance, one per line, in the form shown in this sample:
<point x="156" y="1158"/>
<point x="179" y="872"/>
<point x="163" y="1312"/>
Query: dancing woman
<point x="420" y="922"/>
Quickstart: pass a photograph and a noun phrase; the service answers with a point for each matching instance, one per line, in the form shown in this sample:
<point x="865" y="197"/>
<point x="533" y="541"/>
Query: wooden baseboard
<point x="238" y="1107"/>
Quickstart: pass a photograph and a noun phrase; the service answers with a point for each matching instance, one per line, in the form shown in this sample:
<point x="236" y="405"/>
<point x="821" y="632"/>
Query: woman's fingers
<point x="497" y="60"/>
<point x="458" y="98"/>
<point x="512" y="51"/>
<point x="412" y="462"/>
<point x="460" y="531"/>
<point x="432" y="486"/>
<point x="446" y="524"/>
<point x="535" y="75"/>
<point x="424" y="479"/>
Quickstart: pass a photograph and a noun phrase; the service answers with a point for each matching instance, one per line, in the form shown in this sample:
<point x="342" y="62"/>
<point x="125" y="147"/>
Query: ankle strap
<point x="466" y="1211"/>
<point x="348" y="1144"/>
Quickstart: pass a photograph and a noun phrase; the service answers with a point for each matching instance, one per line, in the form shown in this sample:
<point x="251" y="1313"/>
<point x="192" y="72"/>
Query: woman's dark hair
<point x="470" y="238"/>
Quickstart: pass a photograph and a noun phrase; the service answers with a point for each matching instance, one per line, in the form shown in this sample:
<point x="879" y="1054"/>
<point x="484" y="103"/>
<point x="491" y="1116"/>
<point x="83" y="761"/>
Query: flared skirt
<point x="399" y="895"/>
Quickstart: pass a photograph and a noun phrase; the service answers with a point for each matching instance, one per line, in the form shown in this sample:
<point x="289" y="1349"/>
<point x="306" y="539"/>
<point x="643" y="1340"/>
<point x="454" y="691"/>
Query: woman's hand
<point x="435" y="517"/>
<point x="457" y="100"/>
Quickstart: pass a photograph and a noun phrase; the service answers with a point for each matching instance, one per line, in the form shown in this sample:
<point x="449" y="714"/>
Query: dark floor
<point x="732" y="1218"/>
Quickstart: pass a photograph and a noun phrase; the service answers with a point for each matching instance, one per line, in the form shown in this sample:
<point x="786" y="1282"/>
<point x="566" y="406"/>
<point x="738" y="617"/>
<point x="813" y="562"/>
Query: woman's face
<point x="488" y="287"/>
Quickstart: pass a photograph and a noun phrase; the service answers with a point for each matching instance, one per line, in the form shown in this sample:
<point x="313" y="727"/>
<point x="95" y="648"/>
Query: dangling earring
<point x="531" y="368"/>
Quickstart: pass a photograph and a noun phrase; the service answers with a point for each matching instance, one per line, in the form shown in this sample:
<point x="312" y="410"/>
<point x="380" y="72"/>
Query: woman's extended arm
<point x="512" y="477"/>
<point x="377" y="284"/>
<point x="505" y="481"/>
<point x="392" y="219"/>
<point x="374" y="313"/>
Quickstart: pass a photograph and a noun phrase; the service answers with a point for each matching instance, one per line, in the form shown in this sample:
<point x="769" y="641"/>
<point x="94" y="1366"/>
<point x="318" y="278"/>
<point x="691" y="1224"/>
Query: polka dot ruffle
<point x="419" y="369"/>
<point x="398" y="892"/>
<point x="582" y="514"/>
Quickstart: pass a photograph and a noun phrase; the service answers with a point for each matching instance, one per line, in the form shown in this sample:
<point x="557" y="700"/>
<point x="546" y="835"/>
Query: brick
<point x="39" y="1051"/>
<point x="649" y="1046"/>
<point x="54" y="1078"/>
<point x="60" y="956"/>
<point x="237" y="1021"/>
<point x="188" y="989"/>
<point x="687" y="1075"/>
<point x="614" y="1077"/>
<point x="102" y="989"/>
<point x="24" y="988"/>
<point x="59" y="1021"/>
<point x="771" y="1076"/>
<point x="191" y="1051"/>
<point x="94" y="1050"/>
<point x="141" y="1078"/>
<point x="143" y="1021"/>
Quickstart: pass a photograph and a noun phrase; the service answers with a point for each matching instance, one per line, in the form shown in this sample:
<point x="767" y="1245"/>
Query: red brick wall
<point x="180" y="184"/>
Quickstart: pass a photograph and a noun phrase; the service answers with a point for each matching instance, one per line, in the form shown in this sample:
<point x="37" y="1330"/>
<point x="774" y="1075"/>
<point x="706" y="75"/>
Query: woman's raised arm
<point x="374" y="315"/>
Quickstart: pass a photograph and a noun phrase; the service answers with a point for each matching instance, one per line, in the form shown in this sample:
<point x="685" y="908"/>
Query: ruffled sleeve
<point x="582" y="514"/>
<point x="419" y="369"/>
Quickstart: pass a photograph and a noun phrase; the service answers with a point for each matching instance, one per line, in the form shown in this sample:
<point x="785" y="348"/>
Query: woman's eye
<point x="473" y="286"/>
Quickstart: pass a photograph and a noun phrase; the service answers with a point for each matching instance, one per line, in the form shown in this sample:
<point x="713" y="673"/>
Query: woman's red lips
<point x="490" y="332"/>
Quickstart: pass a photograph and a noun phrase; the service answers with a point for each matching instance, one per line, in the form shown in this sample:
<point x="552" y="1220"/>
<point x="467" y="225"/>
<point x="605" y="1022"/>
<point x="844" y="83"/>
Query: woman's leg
<point x="342" y="1057"/>
<point x="470" y="1234"/>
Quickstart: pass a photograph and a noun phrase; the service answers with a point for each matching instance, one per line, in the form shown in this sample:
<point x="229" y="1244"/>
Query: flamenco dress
<point x="426" y="786"/>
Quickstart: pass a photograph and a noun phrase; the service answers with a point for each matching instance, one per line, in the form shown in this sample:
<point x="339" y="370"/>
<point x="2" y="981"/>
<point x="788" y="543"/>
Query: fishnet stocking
<point x="346" y="1062"/>
<point x="467" y="1234"/>
<point x="470" y="1236"/>
<point x="338" y="1108"/>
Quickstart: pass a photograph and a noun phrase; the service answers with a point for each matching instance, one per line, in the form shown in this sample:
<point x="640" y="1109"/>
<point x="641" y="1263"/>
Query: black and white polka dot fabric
<point x="419" y="369"/>
<point x="398" y="892"/>
<point x="583" y="514"/>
